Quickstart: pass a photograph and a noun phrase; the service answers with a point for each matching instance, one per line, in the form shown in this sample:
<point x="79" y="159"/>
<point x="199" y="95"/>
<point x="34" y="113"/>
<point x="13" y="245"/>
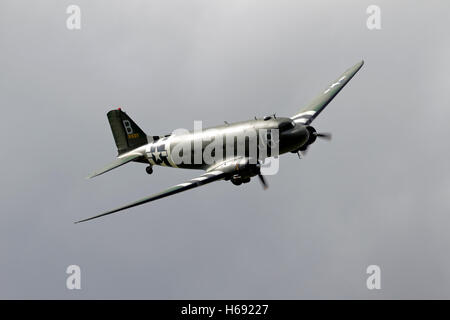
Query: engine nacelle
<point x="312" y="135"/>
<point x="240" y="170"/>
<point x="311" y="139"/>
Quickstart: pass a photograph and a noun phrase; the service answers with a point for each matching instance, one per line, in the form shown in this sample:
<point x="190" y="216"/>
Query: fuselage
<point x="200" y="149"/>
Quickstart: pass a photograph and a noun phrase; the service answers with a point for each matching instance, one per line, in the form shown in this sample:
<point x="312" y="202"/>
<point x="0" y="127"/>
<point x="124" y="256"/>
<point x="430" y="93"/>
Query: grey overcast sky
<point x="377" y="194"/>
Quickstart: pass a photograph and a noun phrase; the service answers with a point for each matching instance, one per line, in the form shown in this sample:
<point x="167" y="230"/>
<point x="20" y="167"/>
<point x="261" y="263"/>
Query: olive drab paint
<point x="233" y="152"/>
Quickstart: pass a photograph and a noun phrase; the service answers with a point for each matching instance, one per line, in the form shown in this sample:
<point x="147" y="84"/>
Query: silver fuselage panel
<point x="256" y="139"/>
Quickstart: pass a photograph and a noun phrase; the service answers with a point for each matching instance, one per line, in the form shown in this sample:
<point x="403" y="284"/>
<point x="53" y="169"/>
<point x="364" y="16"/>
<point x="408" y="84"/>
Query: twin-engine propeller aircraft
<point x="189" y="150"/>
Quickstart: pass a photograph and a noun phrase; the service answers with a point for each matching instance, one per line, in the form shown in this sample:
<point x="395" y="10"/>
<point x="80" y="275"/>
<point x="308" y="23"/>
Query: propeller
<point x="323" y="135"/>
<point x="304" y="152"/>
<point x="263" y="181"/>
<point x="261" y="177"/>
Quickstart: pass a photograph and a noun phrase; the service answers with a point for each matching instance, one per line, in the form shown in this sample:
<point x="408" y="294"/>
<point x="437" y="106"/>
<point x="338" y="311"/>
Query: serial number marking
<point x="133" y="136"/>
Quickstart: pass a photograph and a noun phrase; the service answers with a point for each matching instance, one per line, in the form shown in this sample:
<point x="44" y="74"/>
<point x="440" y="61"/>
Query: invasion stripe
<point x="216" y="172"/>
<point x="166" y="162"/>
<point x="200" y="178"/>
<point x="307" y="116"/>
<point x="310" y="113"/>
<point x="301" y="120"/>
<point x="184" y="184"/>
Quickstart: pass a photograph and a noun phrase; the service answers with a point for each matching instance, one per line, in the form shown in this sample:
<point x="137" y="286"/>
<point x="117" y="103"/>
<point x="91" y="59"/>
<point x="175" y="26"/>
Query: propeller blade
<point x="304" y="152"/>
<point x="324" y="135"/>
<point x="263" y="181"/>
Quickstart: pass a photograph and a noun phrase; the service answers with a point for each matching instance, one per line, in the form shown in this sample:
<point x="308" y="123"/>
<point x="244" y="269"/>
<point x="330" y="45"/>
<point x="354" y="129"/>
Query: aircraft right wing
<point x="210" y="176"/>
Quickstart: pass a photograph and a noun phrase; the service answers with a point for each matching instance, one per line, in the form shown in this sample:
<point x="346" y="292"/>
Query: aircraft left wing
<point x="208" y="177"/>
<point x="312" y="109"/>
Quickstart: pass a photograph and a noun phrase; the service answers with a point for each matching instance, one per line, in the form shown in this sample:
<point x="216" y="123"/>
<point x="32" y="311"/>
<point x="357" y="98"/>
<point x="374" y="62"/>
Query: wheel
<point x="246" y="180"/>
<point x="236" y="182"/>
<point x="149" y="169"/>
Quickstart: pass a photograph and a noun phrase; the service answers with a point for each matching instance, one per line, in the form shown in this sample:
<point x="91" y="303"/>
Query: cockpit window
<point x="286" y="125"/>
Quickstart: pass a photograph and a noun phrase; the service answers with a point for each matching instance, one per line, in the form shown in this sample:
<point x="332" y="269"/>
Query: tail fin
<point x="127" y="134"/>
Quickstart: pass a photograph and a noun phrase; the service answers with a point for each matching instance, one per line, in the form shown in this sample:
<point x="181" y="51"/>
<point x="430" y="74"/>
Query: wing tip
<point x="354" y="69"/>
<point x="359" y="64"/>
<point x="356" y="66"/>
<point x="93" y="175"/>
<point x="91" y="218"/>
<point x="79" y="221"/>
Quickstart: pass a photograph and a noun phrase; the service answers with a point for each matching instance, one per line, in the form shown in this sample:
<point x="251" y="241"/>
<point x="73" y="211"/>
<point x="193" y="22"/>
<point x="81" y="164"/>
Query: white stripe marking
<point x="306" y="113"/>
<point x="199" y="178"/>
<point x="301" y="120"/>
<point x="183" y="184"/>
<point x="215" y="172"/>
<point x="303" y="117"/>
<point x="335" y="84"/>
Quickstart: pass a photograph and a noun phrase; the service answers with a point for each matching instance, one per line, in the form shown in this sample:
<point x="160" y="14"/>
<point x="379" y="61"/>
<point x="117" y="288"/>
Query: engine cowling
<point x="240" y="170"/>
<point x="311" y="139"/>
<point x="312" y="136"/>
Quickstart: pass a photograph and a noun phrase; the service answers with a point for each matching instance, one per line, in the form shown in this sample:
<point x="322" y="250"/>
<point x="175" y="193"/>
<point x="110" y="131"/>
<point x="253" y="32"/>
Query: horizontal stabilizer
<point x="117" y="163"/>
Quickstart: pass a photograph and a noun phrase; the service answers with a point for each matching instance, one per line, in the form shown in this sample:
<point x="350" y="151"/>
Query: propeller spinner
<point x="313" y="135"/>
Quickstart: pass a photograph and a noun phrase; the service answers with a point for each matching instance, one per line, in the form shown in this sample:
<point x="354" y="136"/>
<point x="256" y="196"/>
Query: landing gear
<point x="149" y="170"/>
<point x="237" y="180"/>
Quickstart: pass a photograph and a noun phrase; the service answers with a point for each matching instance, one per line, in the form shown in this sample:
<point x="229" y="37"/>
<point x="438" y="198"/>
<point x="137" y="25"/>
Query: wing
<point x="116" y="163"/>
<point x="312" y="110"/>
<point x="196" y="182"/>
